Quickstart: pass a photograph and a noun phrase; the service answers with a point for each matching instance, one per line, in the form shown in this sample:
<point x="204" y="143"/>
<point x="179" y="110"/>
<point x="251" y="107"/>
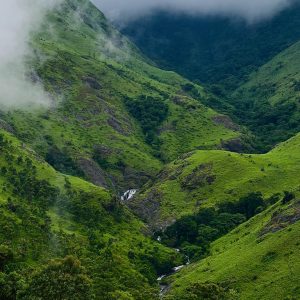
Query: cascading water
<point x="164" y="287"/>
<point x="128" y="195"/>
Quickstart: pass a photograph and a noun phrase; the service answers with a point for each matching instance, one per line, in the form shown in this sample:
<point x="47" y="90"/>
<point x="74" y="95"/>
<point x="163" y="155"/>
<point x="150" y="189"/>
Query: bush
<point x="11" y="285"/>
<point x="6" y="255"/>
<point x="150" y="112"/>
<point x="288" y="196"/>
<point x="207" y="291"/>
<point x="60" y="279"/>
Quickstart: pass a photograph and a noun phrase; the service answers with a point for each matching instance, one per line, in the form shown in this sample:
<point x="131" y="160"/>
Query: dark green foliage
<point x="150" y="112"/>
<point x="42" y="221"/>
<point x="213" y="49"/>
<point x="6" y="255"/>
<point x="193" y="234"/>
<point x="23" y="181"/>
<point x="262" y="118"/>
<point x="207" y="291"/>
<point x="11" y="285"/>
<point x="223" y="54"/>
<point x="247" y="205"/>
<point x="62" y="162"/>
<point x="288" y="196"/>
<point x="60" y="279"/>
<point x="153" y="262"/>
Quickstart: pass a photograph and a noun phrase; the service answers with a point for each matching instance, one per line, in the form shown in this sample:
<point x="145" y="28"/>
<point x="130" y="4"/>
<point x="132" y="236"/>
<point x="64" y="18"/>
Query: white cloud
<point x="251" y="10"/>
<point x="18" y="18"/>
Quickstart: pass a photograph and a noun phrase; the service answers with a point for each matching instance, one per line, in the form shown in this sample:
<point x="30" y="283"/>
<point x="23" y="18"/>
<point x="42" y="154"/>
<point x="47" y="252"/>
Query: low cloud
<point x="251" y="10"/>
<point x="18" y="85"/>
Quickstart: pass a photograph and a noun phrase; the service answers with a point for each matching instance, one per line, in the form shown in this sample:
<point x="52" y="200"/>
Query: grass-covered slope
<point x="93" y="130"/>
<point x="257" y="260"/>
<point x="253" y="72"/>
<point x="206" y="178"/>
<point x="269" y="101"/>
<point x="99" y="246"/>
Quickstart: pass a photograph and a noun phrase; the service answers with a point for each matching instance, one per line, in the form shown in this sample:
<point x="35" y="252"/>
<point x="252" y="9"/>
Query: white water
<point x="164" y="287"/>
<point x="128" y="195"/>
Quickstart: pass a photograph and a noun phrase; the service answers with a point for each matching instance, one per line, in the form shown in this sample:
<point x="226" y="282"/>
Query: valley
<point x="164" y="167"/>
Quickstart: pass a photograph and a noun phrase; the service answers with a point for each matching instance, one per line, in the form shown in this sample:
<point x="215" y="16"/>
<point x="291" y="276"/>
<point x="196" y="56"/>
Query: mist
<point x="19" y="87"/>
<point x="251" y="11"/>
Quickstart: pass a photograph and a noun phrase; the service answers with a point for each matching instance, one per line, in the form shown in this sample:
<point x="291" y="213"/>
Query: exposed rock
<point x="6" y="126"/>
<point x="103" y="150"/>
<point x="147" y="208"/>
<point x="117" y="126"/>
<point x="202" y="175"/>
<point x="134" y="178"/>
<point x="92" y="171"/>
<point x="226" y="122"/>
<point x="280" y="220"/>
<point x="234" y="145"/>
<point x="92" y="83"/>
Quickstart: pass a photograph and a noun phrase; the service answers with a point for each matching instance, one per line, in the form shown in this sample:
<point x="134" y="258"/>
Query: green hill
<point x="96" y="130"/>
<point x="269" y="101"/>
<point x="118" y="122"/>
<point x="47" y="215"/>
<point x="205" y="178"/>
<point x="213" y="49"/>
<point x="253" y="72"/>
<point x="257" y="260"/>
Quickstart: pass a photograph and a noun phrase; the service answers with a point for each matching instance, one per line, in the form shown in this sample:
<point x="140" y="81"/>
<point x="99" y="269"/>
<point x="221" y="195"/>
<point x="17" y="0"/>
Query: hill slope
<point x="214" y="49"/>
<point x="257" y="260"/>
<point x="103" y="129"/>
<point x="252" y="71"/>
<point x="269" y="100"/>
<point x="47" y="215"/>
<point x="205" y="178"/>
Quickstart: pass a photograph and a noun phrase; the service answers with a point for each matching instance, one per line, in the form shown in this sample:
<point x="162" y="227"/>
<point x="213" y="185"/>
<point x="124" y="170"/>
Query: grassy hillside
<point x="269" y="101"/>
<point x="206" y="178"/>
<point x="47" y="215"/>
<point x="253" y="72"/>
<point x="97" y="78"/>
<point x="118" y="122"/>
<point x="257" y="260"/>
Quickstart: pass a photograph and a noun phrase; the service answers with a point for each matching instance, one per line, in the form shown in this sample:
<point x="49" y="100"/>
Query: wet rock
<point x="147" y="208"/>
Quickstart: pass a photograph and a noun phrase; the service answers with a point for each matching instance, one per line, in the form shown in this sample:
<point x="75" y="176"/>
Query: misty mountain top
<point x="251" y="11"/>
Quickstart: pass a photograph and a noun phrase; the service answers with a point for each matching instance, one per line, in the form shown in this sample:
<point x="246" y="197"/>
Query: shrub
<point x="150" y="112"/>
<point x="60" y="279"/>
<point x="288" y="196"/>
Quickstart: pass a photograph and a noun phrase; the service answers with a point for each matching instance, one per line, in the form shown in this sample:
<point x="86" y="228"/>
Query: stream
<point x="164" y="287"/>
<point x="128" y="195"/>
